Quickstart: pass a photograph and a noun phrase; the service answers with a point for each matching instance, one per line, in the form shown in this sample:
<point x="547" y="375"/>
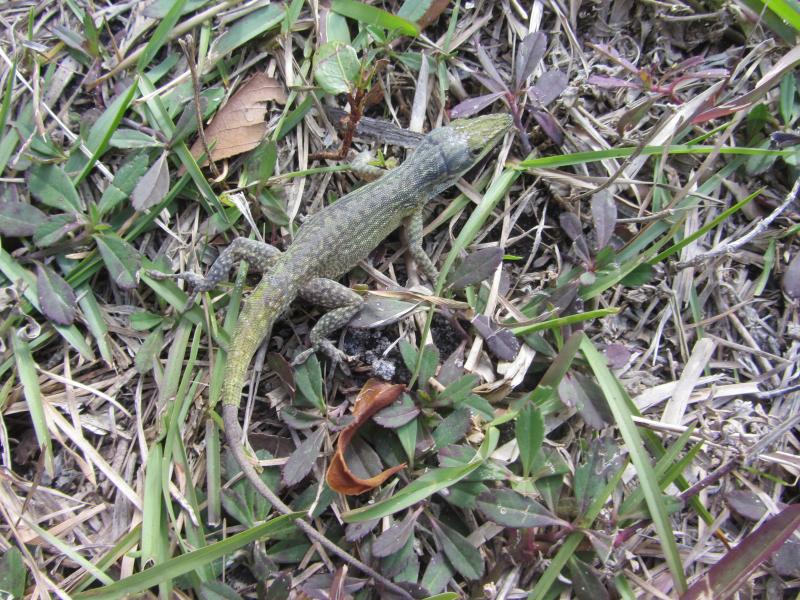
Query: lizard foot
<point x="336" y="356"/>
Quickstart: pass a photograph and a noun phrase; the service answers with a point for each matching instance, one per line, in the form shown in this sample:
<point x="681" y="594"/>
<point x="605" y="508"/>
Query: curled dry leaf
<point x="374" y="396"/>
<point x="240" y="125"/>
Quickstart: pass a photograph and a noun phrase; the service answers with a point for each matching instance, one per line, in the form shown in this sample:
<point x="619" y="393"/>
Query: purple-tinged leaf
<point x="632" y="117"/>
<point x="738" y="565"/>
<point x="394" y="538"/>
<point x="398" y="414"/>
<point x="318" y="587"/>
<point x="356" y="531"/>
<point x="617" y="355"/>
<point x="529" y="55"/>
<point x="19" y="219"/>
<point x="604" y="215"/>
<point x="476" y="267"/>
<point x="581" y="249"/>
<point x="571" y="224"/>
<point x="55" y="228"/>
<point x="787" y="559"/>
<point x="549" y="125"/>
<point x="604" y="459"/>
<point x="465" y="558"/>
<point x="471" y="106"/>
<point x="453" y="428"/>
<point x="612" y="83"/>
<point x="585" y="582"/>
<point x="298" y="419"/>
<point x="500" y="341"/>
<point x="746" y="504"/>
<point x="280" y="588"/>
<point x="547" y="88"/>
<point x="511" y="509"/>
<point x="784" y="139"/>
<point x="56" y="297"/>
<point x="492" y="85"/>
<point x="791" y="278"/>
<point x="615" y="56"/>
<point x="303" y="458"/>
<point x="452" y="368"/>
<point x="491" y="71"/>
<point x="582" y="394"/>
<point x="281" y="367"/>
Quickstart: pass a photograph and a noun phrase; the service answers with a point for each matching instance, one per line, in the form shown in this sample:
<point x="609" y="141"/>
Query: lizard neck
<point x="271" y="297"/>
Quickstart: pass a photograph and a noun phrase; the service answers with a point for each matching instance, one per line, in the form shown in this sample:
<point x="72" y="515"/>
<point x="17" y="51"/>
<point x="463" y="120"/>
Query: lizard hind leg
<point x="342" y="302"/>
<point x="258" y="255"/>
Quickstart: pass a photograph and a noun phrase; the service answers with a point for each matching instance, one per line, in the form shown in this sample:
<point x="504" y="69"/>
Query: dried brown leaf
<point x="240" y="125"/>
<point x="374" y="396"/>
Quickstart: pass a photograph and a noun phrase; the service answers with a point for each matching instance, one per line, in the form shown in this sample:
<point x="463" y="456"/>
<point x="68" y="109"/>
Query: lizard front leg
<point x="414" y="229"/>
<point x="342" y="302"/>
<point x="258" y="255"/>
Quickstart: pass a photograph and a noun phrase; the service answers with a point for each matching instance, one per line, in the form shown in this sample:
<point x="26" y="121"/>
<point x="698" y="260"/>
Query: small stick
<point x="187" y="45"/>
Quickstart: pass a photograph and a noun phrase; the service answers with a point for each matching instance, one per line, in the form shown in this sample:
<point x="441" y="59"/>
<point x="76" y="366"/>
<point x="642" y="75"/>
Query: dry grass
<point x="110" y="451"/>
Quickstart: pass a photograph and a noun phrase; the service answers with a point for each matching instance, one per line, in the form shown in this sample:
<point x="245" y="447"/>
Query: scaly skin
<point x="329" y="244"/>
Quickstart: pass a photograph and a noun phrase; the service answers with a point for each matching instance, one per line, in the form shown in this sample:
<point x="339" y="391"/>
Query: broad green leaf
<point x="51" y="186"/>
<point x="336" y="28"/>
<point x="370" y="15"/>
<point x="19" y="219"/>
<point x="530" y="436"/>
<point x="453" y="428"/>
<point x="394" y="538"/>
<point x="121" y="259"/>
<point x="128" y="139"/>
<point x="308" y="378"/>
<point x="302" y="460"/>
<point x="124" y="181"/>
<point x="511" y="509"/>
<point x="336" y="68"/>
<point x="465" y="558"/>
<point x="56" y="297"/>
<point x="13" y="573"/>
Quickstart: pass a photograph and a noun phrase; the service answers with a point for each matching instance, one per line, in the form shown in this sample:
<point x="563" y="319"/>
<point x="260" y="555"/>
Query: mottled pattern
<point x="414" y="228"/>
<point x="332" y="241"/>
<point x="258" y="255"/>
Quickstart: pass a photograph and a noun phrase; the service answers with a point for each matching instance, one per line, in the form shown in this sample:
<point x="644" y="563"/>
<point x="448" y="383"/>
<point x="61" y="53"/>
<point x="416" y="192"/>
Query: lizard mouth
<point x="483" y="133"/>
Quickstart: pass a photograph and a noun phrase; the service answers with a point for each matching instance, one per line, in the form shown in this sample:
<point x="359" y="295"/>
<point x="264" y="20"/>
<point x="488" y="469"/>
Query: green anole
<point x="329" y="244"/>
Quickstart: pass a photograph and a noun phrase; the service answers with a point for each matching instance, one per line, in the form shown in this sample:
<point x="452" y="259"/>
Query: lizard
<point x="327" y="245"/>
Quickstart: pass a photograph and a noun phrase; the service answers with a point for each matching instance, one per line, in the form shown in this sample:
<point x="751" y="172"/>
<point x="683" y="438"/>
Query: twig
<point x="731" y="247"/>
<point x="187" y="45"/>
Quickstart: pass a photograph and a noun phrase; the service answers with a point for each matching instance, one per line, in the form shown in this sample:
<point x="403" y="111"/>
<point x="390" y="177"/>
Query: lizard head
<point x="482" y="133"/>
<point x="446" y="153"/>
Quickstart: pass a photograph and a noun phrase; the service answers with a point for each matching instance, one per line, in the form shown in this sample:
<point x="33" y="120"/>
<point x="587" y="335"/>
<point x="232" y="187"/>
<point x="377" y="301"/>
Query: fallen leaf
<point x="374" y="396"/>
<point x="153" y="186"/>
<point x="240" y="125"/>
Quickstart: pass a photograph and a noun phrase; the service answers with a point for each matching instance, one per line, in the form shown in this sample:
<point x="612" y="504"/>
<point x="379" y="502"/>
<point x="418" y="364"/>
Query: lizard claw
<point x="336" y="356"/>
